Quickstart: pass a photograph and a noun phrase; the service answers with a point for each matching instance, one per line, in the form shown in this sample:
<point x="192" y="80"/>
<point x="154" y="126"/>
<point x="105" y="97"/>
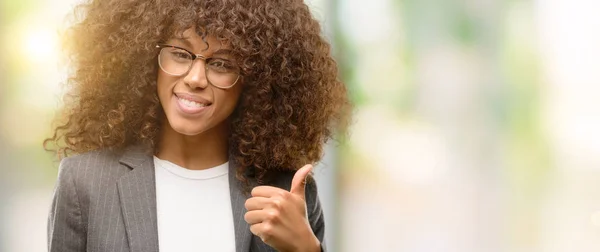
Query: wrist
<point x="313" y="245"/>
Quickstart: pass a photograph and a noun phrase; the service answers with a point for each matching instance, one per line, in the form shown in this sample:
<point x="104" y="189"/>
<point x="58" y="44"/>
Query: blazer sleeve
<point x="315" y="212"/>
<point x="66" y="232"/>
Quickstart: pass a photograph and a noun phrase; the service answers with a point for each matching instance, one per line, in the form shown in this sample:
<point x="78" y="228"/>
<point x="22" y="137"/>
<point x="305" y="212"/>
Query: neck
<point x="205" y="150"/>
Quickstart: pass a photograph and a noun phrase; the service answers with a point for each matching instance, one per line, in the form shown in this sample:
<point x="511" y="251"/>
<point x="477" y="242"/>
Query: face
<point x="191" y="104"/>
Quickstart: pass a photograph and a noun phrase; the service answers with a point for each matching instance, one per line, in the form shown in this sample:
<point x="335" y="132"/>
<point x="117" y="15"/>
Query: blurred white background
<point x="476" y="124"/>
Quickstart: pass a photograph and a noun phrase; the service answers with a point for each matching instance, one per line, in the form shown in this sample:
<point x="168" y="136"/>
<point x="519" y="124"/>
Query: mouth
<point x="188" y="104"/>
<point x="191" y="104"/>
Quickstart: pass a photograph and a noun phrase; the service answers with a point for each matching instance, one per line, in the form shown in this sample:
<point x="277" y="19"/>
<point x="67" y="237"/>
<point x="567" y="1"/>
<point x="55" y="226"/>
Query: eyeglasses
<point x="221" y="73"/>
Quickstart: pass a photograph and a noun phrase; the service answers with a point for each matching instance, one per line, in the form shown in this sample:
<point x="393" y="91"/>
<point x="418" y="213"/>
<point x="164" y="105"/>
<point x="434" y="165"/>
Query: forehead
<point x="199" y="42"/>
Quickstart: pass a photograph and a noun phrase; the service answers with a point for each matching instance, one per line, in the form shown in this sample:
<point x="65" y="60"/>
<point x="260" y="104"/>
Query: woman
<point x="194" y="125"/>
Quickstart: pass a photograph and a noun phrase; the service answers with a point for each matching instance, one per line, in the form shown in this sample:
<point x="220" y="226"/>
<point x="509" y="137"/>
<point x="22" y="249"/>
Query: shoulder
<point x="90" y="169"/>
<point x="90" y="161"/>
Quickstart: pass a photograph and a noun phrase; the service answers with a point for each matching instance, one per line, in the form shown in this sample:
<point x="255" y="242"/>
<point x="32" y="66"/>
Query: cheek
<point x="164" y="87"/>
<point x="230" y="101"/>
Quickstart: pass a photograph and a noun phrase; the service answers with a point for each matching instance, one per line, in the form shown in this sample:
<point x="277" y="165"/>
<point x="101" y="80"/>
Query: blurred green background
<point x="475" y="129"/>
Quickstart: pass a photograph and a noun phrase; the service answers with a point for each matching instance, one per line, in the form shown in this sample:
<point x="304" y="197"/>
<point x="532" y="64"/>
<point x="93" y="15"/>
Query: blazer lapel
<point x="238" y="199"/>
<point x="137" y="194"/>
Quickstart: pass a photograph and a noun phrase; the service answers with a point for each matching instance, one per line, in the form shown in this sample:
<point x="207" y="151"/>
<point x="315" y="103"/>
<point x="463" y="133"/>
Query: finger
<point x="299" y="180"/>
<point x="255" y="216"/>
<point x="266" y="191"/>
<point x="257" y="203"/>
<point x="262" y="230"/>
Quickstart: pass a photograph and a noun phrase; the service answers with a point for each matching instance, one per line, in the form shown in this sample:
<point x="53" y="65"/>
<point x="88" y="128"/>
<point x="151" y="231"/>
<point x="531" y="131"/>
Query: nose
<point x="196" y="77"/>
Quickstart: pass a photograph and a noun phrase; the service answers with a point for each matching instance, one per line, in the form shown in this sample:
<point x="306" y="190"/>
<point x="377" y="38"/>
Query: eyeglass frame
<point x="194" y="57"/>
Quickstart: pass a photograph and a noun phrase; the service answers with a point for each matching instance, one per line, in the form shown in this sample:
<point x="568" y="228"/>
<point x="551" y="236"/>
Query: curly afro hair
<point x="291" y="104"/>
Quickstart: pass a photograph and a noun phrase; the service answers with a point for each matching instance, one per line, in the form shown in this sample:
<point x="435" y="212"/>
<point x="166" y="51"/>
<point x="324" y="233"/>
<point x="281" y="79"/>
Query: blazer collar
<point x="137" y="193"/>
<point x="238" y="200"/>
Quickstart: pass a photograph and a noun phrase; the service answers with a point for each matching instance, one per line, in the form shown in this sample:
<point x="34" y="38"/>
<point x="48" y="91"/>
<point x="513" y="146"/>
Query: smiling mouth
<point x="191" y="103"/>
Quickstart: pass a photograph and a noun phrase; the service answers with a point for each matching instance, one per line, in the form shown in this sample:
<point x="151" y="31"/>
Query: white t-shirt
<point x="193" y="208"/>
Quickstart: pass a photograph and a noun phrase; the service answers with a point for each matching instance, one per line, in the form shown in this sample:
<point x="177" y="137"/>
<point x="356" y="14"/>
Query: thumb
<point x="299" y="180"/>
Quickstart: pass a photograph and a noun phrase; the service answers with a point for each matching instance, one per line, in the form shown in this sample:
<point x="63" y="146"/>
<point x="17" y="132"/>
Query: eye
<point x="179" y="55"/>
<point x="221" y="65"/>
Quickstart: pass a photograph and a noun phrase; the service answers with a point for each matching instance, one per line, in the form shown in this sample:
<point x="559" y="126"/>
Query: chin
<point x="187" y="128"/>
<point x="189" y="132"/>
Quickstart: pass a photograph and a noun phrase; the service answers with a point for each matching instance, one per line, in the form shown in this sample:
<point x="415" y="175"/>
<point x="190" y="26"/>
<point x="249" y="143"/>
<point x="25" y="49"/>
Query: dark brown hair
<point x="292" y="99"/>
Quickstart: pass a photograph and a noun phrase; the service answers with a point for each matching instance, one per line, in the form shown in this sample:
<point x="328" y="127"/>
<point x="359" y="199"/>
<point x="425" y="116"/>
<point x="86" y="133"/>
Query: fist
<point x="279" y="217"/>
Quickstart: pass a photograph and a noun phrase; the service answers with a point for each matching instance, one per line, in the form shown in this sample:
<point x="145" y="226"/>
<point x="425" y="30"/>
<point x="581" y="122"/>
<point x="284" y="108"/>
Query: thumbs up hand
<point x="279" y="217"/>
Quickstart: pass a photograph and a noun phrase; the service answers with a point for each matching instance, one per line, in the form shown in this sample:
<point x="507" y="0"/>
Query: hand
<point x="279" y="217"/>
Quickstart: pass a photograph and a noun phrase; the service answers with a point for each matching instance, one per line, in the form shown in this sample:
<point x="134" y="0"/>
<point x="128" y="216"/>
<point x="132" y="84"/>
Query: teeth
<point x="191" y="103"/>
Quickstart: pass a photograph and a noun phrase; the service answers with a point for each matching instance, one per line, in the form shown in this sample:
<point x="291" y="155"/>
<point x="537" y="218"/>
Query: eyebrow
<point x="221" y="51"/>
<point x="185" y="40"/>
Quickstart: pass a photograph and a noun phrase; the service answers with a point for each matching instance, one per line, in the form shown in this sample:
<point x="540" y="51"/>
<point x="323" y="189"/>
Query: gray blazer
<point x="105" y="201"/>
